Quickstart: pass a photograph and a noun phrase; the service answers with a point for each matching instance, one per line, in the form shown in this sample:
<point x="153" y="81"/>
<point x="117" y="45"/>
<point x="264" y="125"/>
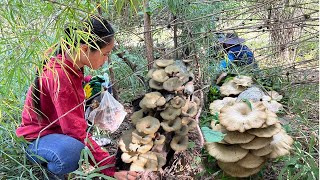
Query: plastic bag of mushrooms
<point x="253" y="133"/>
<point x="165" y="118"/>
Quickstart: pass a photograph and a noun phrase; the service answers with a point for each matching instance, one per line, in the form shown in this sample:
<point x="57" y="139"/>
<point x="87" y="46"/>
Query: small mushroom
<point x="190" y="109"/>
<point x="172" y="84"/>
<point x="182" y="131"/>
<point x="275" y="95"/>
<point x="148" y="125"/>
<point x="196" y="100"/>
<point x="159" y="139"/>
<point x="160" y="75"/>
<point x="155" y="85"/>
<point x="231" y="88"/>
<point x="266" y="132"/>
<point x="177" y="102"/>
<point x="164" y="62"/>
<point x="281" y="144"/>
<point x="141" y="138"/>
<point x="129" y="157"/>
<point x="152" y="100"/>
<point x="170" y="113"/>
<point x="150" y="72"/>
<point x="261" y="152"/>
<point x="189" y="88"/>
<point x="179" y="143"/>
<point x="161" y="160"/>
<point x="145" y="162"/>
<point x="125" y="140"/>
<point x="240" y="116"/>
<point x="173" y="125"/>
<point x="273" y="106"/>
<point x="226" y="153"/>
<point x="272" y="119"/>
<point x="191" y="123"/>
<point x="136" y="116"/>
<point x="172" y="69"/>
<point x="251" y="161"/>
<point x="257" y="143"/>
<point x="243" y="81"/>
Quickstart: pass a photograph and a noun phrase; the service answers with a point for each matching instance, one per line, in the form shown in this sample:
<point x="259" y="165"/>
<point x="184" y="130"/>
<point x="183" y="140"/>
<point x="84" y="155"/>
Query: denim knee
<point x="61" y="152"/>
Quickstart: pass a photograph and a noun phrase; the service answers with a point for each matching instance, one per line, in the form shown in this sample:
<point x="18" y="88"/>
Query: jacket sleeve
<point x="65" y="99"/>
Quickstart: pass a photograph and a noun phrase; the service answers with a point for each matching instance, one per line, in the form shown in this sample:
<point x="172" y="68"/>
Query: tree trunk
<point x="148" y="34"/>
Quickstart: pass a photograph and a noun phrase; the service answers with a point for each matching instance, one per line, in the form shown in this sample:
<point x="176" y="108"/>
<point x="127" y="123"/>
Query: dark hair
<point x="100" y="34"/>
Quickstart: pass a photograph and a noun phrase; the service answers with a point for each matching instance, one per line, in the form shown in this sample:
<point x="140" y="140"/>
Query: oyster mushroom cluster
<point x="165" y="118"/>
<point x="253" y="133"/>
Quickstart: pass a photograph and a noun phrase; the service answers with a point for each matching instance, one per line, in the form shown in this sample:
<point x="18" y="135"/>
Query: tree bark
<point x="148" y="35"/>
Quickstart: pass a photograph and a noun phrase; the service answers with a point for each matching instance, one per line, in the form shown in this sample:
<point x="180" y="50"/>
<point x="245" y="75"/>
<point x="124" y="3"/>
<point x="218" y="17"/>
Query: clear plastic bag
<point x="109" y="115"/>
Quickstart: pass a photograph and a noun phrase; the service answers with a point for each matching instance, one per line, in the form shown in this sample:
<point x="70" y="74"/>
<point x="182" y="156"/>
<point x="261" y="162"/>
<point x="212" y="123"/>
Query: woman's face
<point x="95" y="59"/>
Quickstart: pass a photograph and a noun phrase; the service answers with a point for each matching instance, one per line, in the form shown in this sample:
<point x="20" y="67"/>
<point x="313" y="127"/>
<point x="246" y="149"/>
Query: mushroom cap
<point x="136" y="116"/>
<point x="190" y="109"/>
<point x="243" y="81"/>
<point x="170" y="113"/>
<point x="145" y="162"/>
<point x="125" y="140"/>
<point x="161" y="160"/>
<point x="159" y="139"/>
<point x="251" y="161"/>
<point x="129" y="157"/>
<point x="148" y="125"/>
<point x="177" y="102"/>
<point x="172" y="84"/>
<point x="275" y="95"/>
<point x="232" y="137"/>
<point x="261" y="152"/>
<point x="226" y="153"/>
<point x="164" y="62"/>
<point x="150" y="72"/>
<point x="230" y="87"/>
<point x="173" y="125"/>
<point x="145" y="147"/>
<point x="172" y="69"/>
<point x="273" y="106"/>
<point x="152" y="100"/>
<point x="266" y="132"/>
<point x="155" y="85"/>
<point x="281" y="144"/>
<point x="240" y="117"/>
<point x="237" y="171"/>
<point x="190" y="122"/>
<point x="257" y="143"/>
<point x="189" y="88"/>
<point x="217" y="105"/>
<point x="272" y="118"/>
<point x="182" y="131"/>
<point x="179" y="143"/>
<point x="160" y="75"/>
<point x="141" y="138"/>
<point x="196" y="100"/>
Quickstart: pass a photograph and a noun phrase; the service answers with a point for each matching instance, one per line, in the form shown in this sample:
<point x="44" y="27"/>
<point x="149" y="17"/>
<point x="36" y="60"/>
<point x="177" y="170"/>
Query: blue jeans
<point x="61" y="152"/>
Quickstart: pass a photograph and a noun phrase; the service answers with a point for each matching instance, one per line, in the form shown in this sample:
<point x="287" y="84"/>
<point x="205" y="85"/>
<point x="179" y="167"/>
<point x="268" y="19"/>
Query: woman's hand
<point x="125" y="175"/>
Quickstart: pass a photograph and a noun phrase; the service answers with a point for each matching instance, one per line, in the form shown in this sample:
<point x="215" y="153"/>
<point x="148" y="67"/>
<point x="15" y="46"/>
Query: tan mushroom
<point x="150" y="72"/>
<point x="161" y="160"/>
<point x="172" y="84"/>
<point x="273" y="106"/>
<point x="231" y="88"/>
<point x="237" y="171"/>
<point x="272" y="119"/>
<point x="141" y="138"/>
<point x="266" y="132"/>
<point x="196" y="100"/>
<point x="243" y="81"/>
<point x="233" y="137"/>
<point x="160" y="75"/>
<point x="275" y="95"/>
<point x="129" y="157"/>
<point x="190" y="122"/>
<point x="251" y="161"/>
<point x="177" y="102"/>
<point x="159" y="139"/>
<point x="281" y="144"/>
<point x="172" y="125"/>
<point x="179" y="143"/>
<point x="226" y="153"/>
<point x="170" y="113"/>
<point x="190" y="109"/>
<point x="163" y="62"/>
<point x="136" y="116"/>
<point x="125" y="140"/>
<point x="240" y="116"/>
<point x="172" y="69"/>
<point x="216" y="105"/>
<point x="261" y="152"/>
<point x="145" y="162"/>
<point x="152" y="100"/>
<point x="257" y="143"/>
<point x="182" y="131"/>
<point x="155" y="85"/>
<point x="148" y="125"/>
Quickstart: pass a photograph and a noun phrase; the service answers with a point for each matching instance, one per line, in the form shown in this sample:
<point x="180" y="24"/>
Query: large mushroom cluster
<point x="165" y="118"/>
<point x="252" y="130"/>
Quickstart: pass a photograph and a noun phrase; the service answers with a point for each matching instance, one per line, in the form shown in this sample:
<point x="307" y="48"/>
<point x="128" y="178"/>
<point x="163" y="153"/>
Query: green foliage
<point x="214" y="93"/>
<point x="211" y="135"/>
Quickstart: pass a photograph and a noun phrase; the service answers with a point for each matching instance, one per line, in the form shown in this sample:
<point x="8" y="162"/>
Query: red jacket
<point x="60" y="91"/>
